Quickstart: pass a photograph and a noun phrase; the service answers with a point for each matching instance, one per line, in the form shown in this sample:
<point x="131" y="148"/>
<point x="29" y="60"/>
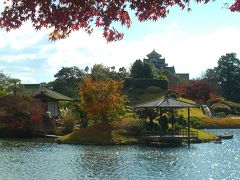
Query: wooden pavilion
<point x="49" y="97"/>
<point x="170" y="103"/>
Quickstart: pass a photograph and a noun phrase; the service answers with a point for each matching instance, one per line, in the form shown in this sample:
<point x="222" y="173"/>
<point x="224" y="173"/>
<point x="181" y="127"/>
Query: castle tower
<point x="157" y="60"/>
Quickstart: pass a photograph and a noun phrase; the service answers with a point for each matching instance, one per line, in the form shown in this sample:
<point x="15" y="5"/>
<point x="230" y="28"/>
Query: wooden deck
<point x="171" y="137"/>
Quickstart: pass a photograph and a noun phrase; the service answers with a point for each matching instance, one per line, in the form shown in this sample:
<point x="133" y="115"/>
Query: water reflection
<point x="38" y="159"/>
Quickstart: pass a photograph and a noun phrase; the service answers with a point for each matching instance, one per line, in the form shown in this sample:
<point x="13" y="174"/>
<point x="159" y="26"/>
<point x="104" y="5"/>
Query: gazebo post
<point x="145" y="118"/>
<point x="160" y="117"/>
<point x="172" y="118"/>
<point x="188" y="127"/>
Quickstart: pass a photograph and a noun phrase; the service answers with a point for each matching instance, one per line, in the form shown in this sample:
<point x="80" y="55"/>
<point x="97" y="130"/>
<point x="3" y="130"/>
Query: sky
<point x="189" y="41"/>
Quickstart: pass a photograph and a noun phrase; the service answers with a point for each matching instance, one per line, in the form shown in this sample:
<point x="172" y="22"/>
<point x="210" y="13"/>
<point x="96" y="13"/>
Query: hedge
<point x="234" y="106"/>
<point x="173" y="95"/>
<point x="144" y="83"/>
<point x="220" y="107"/>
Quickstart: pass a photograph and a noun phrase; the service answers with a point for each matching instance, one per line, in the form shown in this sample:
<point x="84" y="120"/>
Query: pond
<point x="41" y="159"/>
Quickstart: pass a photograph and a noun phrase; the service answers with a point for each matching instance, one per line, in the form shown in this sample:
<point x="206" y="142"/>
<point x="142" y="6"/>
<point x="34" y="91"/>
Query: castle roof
<point x="154" y="54"/>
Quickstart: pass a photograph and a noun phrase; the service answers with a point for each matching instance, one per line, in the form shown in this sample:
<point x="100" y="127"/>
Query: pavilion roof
<point x="167" y="102"/>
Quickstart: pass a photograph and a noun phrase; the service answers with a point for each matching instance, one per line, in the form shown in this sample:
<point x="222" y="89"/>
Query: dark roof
<point x="154" y="54"/>
<point x="171" y="69"/>
<point x="167" y="102"/>
<point x="52" y="94"/>
<point x="31" y="86"/>
<point x="37" y="91"/>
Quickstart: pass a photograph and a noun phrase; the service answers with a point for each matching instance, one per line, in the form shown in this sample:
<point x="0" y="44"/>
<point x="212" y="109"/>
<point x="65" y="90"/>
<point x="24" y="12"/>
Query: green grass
<point x="196" y="112"/>
<point x="138" y="96"/>
<point x="205" y="136"/>
<point x="116" y="132"/>
<point x="221" y="123"/>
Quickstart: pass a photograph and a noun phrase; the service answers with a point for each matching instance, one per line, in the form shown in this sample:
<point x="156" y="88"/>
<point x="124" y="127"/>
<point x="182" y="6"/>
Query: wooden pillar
<point x="172" y="118"/>
<point x="160" y="113"/>
<point x="145" y="118"/>
<point x="188" y="127"/>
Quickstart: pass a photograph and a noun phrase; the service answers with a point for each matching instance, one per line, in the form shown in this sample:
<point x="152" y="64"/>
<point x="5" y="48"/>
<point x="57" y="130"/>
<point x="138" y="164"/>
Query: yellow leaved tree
<point x="102" y="99"/>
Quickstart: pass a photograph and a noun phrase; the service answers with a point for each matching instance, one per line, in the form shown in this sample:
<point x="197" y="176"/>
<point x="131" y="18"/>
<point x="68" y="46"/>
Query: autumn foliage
<point x="66" y="16"/>
<point x="20" y="111"/>
<point x="102" y="98"/>
<point x="197" y="90"/>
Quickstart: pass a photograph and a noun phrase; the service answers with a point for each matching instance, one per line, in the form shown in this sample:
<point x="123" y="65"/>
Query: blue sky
<point x="192" y="42"/>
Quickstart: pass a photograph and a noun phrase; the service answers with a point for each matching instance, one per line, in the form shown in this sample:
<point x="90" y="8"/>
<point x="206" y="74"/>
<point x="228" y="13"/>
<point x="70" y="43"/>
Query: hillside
<point x="138" y="96"/>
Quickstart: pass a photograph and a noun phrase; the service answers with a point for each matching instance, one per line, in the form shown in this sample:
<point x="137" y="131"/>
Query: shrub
<point x="210" y="102"/>
<point x="183" y="95"/>
<point x="68" y="119"/>
<point x="139" y="91"/>
<point x="195" y="122"/>
<point x="181" y="121"/>
<point x="137" y="126"/>
<point x="152" y="127"/>
<point x="220" y="114"/>
<point x="3" y="93"/>
<point x="153" y="89"/>
<point x="235" y="107"/>
<point x="173" y="95"/>
<point x="164" y="122"/>
<point x="220" y="107"/>
<point x="20" y="111"/>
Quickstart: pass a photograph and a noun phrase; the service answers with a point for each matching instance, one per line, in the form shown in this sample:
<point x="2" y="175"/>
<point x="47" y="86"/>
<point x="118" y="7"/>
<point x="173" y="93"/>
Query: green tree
<point x="141" y="69"/>
<point x="211" y="77"/>
<point x="100" y="72"/>
<point x="67" y="81"/>
<point x="225" y="78"/>
<point x="122" y="73"/>
<point x="14" y="85"/>
<point x="229" y="76"/>
<point x="3" y="82"/>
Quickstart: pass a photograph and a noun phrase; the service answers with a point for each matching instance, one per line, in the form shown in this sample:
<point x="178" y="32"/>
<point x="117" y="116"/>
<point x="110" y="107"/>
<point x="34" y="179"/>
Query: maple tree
<point x="66" y="16"/>
<point x="101" y="98"/>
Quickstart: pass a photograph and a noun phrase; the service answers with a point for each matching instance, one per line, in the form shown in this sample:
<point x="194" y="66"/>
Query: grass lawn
<point x="208" y="122"/>
<point x="115" y="132"/>
<point x="196" y="112"/>
<point x="221" y="123"/>
<point x="205" y="136"/>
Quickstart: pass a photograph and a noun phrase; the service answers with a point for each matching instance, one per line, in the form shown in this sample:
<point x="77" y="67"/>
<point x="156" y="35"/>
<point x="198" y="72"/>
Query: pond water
<point x="41" y="159"/>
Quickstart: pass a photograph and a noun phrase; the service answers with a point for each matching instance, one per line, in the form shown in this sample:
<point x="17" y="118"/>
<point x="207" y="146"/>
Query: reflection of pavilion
<point x="172" y="136"/>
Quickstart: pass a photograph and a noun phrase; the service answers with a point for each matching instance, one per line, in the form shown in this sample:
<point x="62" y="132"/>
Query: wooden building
<point x="172" y="136"/>
<point x="49" y="97"/>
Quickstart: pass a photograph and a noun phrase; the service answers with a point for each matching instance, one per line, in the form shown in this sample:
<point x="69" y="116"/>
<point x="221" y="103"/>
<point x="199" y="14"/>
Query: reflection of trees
<point x="100" y="162"/>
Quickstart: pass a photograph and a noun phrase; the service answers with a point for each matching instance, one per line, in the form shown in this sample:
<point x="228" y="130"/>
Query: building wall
<point x="184" y="76"/>
<point x="53" y="108"/>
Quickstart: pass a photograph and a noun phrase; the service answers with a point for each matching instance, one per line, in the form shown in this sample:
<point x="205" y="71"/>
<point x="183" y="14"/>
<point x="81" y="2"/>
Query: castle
<point x="159" y="62"/>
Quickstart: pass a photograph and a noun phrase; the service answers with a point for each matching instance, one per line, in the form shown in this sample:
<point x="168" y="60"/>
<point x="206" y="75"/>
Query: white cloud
<point x="187" y="52"/>
<point x="22" y="38"/>
<point x="18" y="57"/>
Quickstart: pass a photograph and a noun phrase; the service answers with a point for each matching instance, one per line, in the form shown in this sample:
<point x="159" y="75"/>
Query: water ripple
<point x="37" y="159"/>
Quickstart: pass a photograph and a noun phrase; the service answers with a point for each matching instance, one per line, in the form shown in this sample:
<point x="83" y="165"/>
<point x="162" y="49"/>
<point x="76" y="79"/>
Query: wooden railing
<point x="176" y="133"/>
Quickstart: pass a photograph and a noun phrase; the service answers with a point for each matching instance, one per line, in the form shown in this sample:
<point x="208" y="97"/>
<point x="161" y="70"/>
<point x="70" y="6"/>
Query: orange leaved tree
<point x="101" y="99"/>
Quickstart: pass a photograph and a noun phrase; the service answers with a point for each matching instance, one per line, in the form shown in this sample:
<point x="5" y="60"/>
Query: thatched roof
<point x="37" y="91"/>
<point x="52" y="94"/>
<point x="166" y="102"/>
